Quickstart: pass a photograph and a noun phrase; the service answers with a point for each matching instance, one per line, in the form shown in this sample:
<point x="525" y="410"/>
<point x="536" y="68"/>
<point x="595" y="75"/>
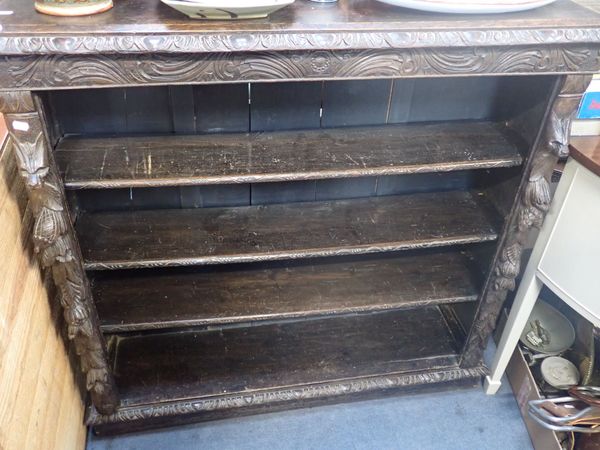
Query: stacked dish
<point x="470" y="6"/>
<point x="227" y="9"/>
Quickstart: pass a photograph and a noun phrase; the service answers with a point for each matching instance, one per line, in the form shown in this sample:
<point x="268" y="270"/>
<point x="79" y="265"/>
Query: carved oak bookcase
<point x="326" y="205"/>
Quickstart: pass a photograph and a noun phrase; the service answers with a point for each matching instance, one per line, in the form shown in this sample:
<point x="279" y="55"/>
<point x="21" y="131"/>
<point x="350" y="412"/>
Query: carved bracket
<point x="534" y="199"/>
<point x="56" y="245"/>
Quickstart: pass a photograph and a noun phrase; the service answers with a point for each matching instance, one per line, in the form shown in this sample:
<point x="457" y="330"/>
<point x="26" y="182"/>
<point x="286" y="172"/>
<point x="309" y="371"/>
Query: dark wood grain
<point x="453" y="98"/>
<point x="222" y="108"/>
<point x="142" y="300"/>
<point x="196" y="363"/>
<point x="148" y="110"/>
<point x="285" y="106"/>
<point x="283" y="156"/>
<point x="285" y="231"/>
<point x="355" y="102"/>
<point x="586" y="151"/>
<point x="296" y="358"/>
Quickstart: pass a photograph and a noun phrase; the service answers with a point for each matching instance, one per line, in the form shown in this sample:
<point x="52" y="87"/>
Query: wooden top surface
<point x="303" y="25"/>
<point x="586" y="151"/>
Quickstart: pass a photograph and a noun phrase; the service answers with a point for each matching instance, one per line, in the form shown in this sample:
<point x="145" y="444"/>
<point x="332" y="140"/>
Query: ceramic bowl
<point x="470" y="6"/>
<point x="227" y="9"/>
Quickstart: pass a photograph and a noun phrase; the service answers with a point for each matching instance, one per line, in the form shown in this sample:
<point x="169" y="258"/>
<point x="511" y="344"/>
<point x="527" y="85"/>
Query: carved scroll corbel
<point x="534" y="200"/>
<point x="56" y="245"/>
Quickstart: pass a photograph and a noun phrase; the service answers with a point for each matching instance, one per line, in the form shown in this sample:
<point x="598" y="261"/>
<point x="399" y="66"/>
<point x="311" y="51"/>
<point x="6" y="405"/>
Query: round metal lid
<point x="559" y="373"/>
<point x="547" y="330"/>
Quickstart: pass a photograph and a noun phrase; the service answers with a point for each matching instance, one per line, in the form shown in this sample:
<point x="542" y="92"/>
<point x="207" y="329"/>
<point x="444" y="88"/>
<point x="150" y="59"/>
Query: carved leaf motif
<point x="537" y="193"/>
<point x="127" y="69"/>
<point x="470" y="61"/>
<point x="16" y="102"/>
<point x="387" y="65"/>
<point x="508" y="267"/>
<point x="58" y="251"/>
<point x="72" y="290"/>
<point x="96" y="379"/>
<point x="76" y="315"/>
<point x="49" y="226"/>
<point x="56" y="246"/>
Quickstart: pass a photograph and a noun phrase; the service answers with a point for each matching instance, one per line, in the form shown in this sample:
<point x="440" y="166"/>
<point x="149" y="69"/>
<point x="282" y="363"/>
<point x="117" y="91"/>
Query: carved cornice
<point x="261" y="41"/>
<point x="44" y="72"/>
<point x="55" y="243"/>
<point x="534" y="200"/>
<point x="293" y="394"/>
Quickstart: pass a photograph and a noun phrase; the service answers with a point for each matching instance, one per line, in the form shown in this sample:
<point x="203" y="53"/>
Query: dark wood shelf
<point x="226" y="363"/>
<point x="143" y="300"/>
<point x="283" y="156"/>
<point x="154" y="238"/>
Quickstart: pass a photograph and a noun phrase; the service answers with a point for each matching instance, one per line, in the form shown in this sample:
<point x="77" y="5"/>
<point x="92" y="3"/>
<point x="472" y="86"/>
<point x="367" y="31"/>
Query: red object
<point x="3" y="131"/>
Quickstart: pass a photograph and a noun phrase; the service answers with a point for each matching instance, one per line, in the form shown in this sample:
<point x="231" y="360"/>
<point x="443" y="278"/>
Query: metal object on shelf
<point x="566" y="414"/>
<point x="548" y="331"/>
<point x="587" y="394"/>
<point x="560" y="373"/>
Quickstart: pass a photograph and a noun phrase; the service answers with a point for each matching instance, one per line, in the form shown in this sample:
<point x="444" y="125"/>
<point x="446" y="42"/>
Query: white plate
<point x="470" y="6"/>
<point x="227" y="9"/>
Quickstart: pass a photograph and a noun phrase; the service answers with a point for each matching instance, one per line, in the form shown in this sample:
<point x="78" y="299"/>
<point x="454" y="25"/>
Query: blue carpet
<point x="464" y="419"/>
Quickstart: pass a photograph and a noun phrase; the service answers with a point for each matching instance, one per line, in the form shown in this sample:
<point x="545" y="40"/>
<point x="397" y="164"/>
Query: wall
<point x="40" y="403"/>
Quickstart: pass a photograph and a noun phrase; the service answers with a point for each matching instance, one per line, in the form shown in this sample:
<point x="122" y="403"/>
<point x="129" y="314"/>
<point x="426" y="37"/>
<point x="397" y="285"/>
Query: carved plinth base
<point x="139" y="417"/>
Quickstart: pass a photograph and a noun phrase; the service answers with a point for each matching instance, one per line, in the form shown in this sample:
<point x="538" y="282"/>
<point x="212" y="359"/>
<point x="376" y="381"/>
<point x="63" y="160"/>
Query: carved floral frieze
<point x="54" y="71"/>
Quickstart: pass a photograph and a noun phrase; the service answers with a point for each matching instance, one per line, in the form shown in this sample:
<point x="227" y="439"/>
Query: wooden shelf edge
<point x="293" y="176"/>
<point x="247" y="294"/>
<point x="298" y="254"/>
<point x="258" y="233"/>
<point x="193" y="160"/>
<point x="198" y="409"/>
<point x="279" y="317"/>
